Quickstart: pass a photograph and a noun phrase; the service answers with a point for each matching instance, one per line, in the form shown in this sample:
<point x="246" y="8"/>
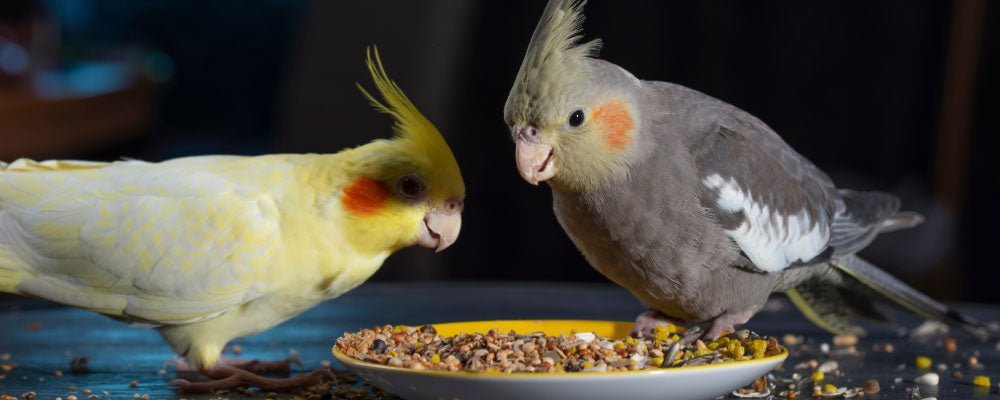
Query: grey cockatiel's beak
<point x="534" y="158"/>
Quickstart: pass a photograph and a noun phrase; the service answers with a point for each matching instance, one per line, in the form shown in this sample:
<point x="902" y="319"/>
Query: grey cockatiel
<point x="695" y="206"/>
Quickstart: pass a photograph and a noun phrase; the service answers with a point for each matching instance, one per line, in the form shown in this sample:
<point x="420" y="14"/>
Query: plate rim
<point x="351" y="361"/>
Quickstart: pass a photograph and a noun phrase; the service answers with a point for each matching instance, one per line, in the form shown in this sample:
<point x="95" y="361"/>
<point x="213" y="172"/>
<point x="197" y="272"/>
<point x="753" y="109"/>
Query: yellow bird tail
<point x="12" y="271"/>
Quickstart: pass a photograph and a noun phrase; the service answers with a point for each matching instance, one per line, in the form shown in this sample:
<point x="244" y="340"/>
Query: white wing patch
<point x="771" y="241"/>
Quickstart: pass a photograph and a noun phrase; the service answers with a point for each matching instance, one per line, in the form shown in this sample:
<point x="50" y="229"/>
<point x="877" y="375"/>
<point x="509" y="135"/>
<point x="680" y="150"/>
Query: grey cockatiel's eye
<point x="576" y="118"/>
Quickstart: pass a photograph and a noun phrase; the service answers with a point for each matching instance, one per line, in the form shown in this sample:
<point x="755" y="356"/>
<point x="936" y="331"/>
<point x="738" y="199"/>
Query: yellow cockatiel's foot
<point x="255" y="366"/>
<point x="225" y="377"/>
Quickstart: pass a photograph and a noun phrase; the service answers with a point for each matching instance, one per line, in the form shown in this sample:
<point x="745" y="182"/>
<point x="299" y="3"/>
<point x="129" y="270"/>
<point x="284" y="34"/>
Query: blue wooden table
<point x="42" y="338"/>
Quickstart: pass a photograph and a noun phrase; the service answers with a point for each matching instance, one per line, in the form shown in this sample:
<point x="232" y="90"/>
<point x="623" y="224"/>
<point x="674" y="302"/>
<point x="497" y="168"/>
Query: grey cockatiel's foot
<point x="717" y="327"/>
<point x="645" y="322"/>
<point x="724" y="325"/>
<point x="225" y="377"/>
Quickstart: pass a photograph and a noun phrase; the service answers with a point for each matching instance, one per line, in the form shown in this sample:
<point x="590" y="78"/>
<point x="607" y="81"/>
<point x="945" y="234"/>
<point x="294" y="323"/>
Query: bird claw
<point x="238" y="377"/>
<point x="645" y="322"/>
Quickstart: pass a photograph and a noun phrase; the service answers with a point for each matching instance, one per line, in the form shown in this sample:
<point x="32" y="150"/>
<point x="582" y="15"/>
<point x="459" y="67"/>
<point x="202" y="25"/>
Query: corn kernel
<point x="981" y="381"/>
<point x="828" y="388"/>
<point x="675" y="338"/>
<point x="736" y="349"/>
<point x="435" y="359"/>
<point x="701" y="352"/>
<point x="713" y="345"/>
<point x="924" y="362"/>
<point x="661" y="332"/>
<point x="587" y="364"/>
<point x="656" y="361"/>
<point x="759" y="347"/>
<point x="817" y="376"/>
<point x="399" y="328"/>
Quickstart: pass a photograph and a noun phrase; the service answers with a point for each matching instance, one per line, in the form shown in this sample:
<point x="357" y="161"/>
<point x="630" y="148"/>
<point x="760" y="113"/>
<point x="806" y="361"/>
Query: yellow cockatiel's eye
<point x="411" y="187"/>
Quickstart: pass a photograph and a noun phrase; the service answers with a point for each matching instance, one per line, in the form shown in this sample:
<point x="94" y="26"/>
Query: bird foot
<point x="720" y="326"/>
<point x="255" y="366"/>
<point x="650" y="319"/>
<point x="227" y="377"/>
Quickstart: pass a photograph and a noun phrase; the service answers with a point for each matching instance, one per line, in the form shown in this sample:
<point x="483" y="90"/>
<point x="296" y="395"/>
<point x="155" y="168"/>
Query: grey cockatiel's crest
<point x="695" y="206"/>
<point x="554" y="52"/>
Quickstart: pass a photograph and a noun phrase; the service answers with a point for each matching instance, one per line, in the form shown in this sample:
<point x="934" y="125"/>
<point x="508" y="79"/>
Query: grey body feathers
<point x="708" y="211"/>
<point x="657" y="232"/>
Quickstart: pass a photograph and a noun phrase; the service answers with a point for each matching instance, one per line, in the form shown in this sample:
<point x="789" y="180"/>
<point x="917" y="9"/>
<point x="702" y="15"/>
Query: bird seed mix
<point x="422" y="348"/>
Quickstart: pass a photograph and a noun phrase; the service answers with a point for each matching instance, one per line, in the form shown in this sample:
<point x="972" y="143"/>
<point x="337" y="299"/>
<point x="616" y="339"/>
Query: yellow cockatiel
<point x="212" y="248"/>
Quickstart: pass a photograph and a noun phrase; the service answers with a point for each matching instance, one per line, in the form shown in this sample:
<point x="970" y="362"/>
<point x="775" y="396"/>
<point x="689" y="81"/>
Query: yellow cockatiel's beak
<point x="441" y="225"/>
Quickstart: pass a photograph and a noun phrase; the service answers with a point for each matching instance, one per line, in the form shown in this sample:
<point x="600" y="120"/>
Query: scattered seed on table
<point x="845" y="340"/>
<point x="929" y="378"/>
<point x="872" y="387"/>
<point x="950" y="345"/>
<point x="78" y="365"/>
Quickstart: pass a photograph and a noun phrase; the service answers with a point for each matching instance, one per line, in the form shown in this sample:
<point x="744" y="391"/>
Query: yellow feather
<point x="420" y="137"/>
<point x="216" y="247"/>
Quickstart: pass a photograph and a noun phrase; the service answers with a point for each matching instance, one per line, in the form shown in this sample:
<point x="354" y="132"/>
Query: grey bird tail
<point x="909" y="298"/>
<point x="865" y="216"/>
<point x="902" y="220"/>
<point x="832" y="306"/>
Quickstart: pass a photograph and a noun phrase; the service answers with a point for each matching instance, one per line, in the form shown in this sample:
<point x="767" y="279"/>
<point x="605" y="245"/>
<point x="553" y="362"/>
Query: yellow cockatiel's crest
<point x="423" y="141"/>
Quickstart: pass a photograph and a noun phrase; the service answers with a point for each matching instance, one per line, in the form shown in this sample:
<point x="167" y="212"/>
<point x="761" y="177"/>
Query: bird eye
<point x="410" y="187"/>
<point x="576" y="118"/>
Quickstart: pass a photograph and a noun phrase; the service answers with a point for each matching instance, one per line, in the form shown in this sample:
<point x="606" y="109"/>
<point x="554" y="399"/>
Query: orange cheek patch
<point x="615" y="122"/>
<point x="364" y="196"/>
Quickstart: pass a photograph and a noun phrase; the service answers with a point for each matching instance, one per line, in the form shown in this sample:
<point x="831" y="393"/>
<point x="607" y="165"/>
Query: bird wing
<point x="167" y="243"/>
<point x="776" y="205"/>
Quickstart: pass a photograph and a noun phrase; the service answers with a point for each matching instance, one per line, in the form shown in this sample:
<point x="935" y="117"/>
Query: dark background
<point x="893" y="95"/>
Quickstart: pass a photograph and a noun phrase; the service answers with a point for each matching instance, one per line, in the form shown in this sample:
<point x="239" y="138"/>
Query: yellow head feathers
<point x="420" y="139"/>
<point x="554" y="62"/>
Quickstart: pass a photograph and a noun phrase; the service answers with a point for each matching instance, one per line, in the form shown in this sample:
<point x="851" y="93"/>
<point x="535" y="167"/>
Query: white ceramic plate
<point x="696" y="382"/>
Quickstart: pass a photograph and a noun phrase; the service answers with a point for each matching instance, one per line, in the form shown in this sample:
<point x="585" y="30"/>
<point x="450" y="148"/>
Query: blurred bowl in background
<point x="58" y="100"/>
<point x="73" y="111"/>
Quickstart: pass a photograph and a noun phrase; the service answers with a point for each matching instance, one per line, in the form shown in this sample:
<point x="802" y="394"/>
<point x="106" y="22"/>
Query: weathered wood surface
<point x="42" y="338"/>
